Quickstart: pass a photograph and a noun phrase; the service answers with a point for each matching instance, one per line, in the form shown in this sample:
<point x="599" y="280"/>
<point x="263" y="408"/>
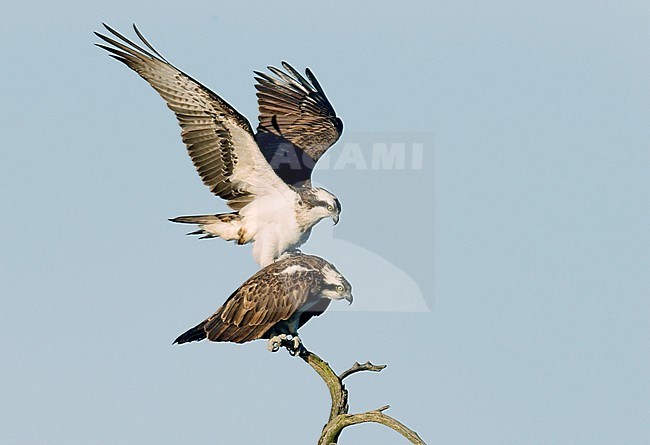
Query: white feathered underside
<point x="270" y="219"/>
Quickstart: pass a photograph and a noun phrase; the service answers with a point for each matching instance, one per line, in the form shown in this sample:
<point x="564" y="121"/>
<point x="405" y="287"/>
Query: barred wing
<point x="219" y="139"/>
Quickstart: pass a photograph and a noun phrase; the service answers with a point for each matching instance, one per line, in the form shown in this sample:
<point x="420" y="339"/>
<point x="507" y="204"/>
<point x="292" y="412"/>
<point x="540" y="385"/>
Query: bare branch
<point x="333" y="429"/>
<point x="383" y="408"/>
<point x="338" y="393"/>
<point x="367" y="366"/>
<point x="339" y="417"/>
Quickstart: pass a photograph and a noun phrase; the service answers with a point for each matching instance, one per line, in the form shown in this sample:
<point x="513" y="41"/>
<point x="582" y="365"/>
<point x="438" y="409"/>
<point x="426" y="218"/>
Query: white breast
<point x="271" y="219"/>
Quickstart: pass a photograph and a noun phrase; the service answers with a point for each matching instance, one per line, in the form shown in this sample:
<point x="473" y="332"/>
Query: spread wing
<point x="261" y="302"/>
<point x="219" y="140"/>
<point x="297" y="123"/>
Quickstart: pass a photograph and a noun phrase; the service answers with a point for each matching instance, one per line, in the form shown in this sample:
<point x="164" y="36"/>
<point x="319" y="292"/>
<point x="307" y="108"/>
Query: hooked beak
<point x="335" y="218"/>
<point x="349" y="298"/>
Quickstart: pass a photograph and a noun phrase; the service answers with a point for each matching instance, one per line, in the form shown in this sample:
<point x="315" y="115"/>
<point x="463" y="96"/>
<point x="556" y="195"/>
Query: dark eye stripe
<point x="337" y="204"/>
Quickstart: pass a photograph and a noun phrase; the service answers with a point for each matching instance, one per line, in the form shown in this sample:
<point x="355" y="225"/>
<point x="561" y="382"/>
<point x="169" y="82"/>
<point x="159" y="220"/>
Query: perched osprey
<point x="265" y="177"/>
<point x="274" y="303"/>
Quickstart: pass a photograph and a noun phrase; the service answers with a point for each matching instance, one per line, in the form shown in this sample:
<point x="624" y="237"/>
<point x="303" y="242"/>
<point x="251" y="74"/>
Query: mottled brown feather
<point x="268" y="297"/>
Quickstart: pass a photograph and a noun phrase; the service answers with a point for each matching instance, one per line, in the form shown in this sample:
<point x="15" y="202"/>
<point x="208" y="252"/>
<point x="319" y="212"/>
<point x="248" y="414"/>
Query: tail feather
<point x="197" y="333"/>
<point x="223" y="225"/>
<point x="198" y="219"/>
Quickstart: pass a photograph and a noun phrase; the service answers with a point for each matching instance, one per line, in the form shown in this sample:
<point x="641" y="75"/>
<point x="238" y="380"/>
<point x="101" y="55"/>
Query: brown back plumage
<point x="271" y="296"/>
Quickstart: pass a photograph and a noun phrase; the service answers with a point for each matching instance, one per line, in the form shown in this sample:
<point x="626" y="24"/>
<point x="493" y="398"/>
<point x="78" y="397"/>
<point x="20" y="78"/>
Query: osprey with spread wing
<point x="265" y="176"/>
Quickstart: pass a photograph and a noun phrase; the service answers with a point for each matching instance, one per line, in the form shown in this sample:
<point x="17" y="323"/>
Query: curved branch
<point x="333" y="429"/>
<point x="339" y="417"/>
<point x="338" y="393"/>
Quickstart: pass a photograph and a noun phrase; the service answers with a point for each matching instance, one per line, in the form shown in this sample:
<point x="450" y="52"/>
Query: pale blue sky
<point x="521" y="247"/>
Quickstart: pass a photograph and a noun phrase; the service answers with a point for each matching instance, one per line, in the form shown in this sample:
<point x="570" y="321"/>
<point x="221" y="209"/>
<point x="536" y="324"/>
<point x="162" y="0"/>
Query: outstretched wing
<point x="219" y="140"/>
<point x="267" y="298"/>
<point x="297" y="124"/>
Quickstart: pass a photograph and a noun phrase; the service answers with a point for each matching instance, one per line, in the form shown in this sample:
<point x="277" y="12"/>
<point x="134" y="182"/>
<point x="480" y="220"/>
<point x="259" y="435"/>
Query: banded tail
<point x="227" y="226"/>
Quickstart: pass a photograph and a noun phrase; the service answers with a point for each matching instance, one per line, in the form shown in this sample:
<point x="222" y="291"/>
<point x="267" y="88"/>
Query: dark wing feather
<point x="296" y="119"/>
<point x="314" y="311"/>
<point x="219" y="140"/>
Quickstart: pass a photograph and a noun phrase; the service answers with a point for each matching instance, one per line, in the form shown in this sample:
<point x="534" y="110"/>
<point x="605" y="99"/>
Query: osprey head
<point x="334" y="285"/>
<point x="318" y="203"/>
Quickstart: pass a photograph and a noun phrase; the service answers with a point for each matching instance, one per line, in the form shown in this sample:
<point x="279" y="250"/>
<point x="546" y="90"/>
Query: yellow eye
<point x="339" y="288"/>
<point x="330" y="208"/>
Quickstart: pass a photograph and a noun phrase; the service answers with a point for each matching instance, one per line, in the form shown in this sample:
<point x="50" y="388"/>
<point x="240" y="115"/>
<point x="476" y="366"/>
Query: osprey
<point x="265" y="176"/>
<point x="274" y="303"/>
